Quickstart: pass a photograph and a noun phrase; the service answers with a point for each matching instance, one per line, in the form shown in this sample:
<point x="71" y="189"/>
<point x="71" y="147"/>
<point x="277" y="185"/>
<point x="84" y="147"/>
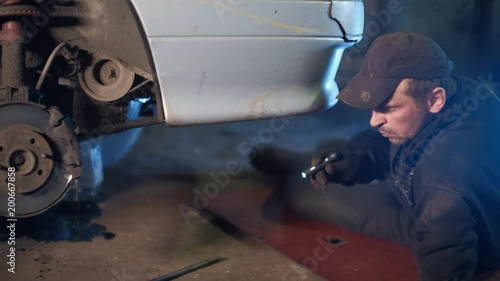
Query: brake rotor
<point x="42" y="148"/>
<point x="106" y="78"/>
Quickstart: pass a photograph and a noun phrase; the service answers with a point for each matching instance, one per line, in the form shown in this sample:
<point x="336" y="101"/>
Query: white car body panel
<point x="234" y="60"/>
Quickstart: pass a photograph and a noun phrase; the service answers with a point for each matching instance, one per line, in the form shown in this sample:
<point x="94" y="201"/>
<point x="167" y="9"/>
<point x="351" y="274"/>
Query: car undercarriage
<point x="66" y="79"/>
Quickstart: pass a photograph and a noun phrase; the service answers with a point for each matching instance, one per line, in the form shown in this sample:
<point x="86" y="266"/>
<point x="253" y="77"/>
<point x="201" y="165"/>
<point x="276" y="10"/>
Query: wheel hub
<point x="106" y="78"/>
<point x="28" y="152"/>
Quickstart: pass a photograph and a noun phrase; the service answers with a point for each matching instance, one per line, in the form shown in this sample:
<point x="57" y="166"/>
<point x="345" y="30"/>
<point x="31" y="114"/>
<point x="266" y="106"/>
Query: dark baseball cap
<point x="390" y="59"/>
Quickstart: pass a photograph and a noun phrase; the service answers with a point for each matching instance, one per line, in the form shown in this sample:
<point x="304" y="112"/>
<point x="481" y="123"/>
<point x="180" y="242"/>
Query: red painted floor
<point x="332" y="252"/>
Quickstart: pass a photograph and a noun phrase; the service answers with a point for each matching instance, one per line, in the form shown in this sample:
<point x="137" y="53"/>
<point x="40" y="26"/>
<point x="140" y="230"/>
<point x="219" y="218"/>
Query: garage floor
<point x="142" y="226"/>
<point x="140" y="234"/>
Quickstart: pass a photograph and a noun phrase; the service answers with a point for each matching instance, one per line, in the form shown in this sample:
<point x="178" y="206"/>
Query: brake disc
<point x="43" y="149"/>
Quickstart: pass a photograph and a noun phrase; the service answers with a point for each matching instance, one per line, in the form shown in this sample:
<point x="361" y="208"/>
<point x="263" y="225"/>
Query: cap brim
<point x="367" y="92"/>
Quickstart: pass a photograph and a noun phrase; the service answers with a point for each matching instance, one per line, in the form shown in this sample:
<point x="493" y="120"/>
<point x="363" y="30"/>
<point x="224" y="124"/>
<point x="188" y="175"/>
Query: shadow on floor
<point x="68" y="221"/>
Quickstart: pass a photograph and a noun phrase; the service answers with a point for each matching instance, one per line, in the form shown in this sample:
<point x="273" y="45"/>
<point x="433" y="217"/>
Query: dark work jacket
<point x="448" y="178"/>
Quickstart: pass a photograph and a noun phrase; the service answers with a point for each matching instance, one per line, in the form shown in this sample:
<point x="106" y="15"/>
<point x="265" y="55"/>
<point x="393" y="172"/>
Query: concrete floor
<point x="145" y="236"/>
<point x="138" y="230"/>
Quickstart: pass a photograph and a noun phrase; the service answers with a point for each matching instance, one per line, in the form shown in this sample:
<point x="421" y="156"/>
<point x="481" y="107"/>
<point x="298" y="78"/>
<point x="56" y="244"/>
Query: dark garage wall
<point x="466" y="29"/>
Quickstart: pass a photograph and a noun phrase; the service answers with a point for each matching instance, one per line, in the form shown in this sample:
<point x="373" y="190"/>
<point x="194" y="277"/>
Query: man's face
<point x="401" y="117"/>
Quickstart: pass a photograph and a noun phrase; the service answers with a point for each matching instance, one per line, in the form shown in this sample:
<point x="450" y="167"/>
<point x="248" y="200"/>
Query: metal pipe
<point x="191" y="268"/>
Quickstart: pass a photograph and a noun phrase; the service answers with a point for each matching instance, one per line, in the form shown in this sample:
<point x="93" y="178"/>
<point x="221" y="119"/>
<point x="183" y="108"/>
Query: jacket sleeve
<point x="373" y="150"/>
<point x="446" y="243"/>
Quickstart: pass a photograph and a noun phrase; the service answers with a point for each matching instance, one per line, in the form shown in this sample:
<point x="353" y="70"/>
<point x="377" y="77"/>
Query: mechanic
<point x="428" y="177"/>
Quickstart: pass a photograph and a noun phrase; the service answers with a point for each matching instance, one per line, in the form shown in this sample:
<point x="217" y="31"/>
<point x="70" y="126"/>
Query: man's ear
<point x="436" y="100"/>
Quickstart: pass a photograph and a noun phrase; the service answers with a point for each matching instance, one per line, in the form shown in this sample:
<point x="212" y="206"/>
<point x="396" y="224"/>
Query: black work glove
<point x="343" y="170"/>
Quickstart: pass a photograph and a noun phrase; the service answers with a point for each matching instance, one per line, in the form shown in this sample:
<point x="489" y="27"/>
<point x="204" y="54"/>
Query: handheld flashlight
<point x="328" y="159"/>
